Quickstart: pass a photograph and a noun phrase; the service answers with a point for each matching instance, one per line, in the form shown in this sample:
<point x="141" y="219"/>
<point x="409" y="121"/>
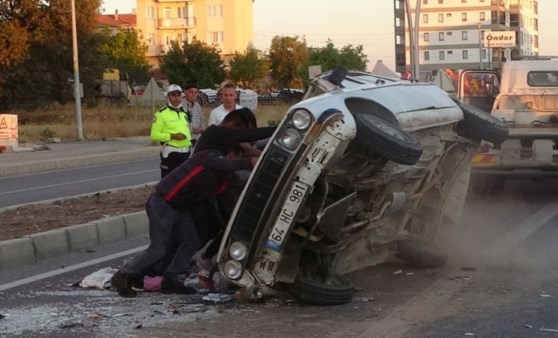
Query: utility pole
<point x="480" y="46"/>
<point x="77" y="92"/>
<point x="413" y="38"/>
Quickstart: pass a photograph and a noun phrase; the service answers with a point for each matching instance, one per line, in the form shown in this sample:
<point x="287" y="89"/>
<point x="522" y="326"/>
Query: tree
<point x="126" y="52"/>
<point x="329" y="57"/>
<point x="196" y="63"/>
<point x="287" y="55"/>
<point x="246" y="69"/>
<point x="42" y="70"/>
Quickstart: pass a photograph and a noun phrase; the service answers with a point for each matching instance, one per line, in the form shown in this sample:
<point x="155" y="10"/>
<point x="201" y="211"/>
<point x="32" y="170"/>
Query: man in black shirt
<point x="202" y="177"/>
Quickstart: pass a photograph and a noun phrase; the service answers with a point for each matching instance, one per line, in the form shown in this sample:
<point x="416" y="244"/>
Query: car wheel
<point x="387" y="140"/>
<point x="421" y="255"/>
<point x="480" y="124"/>
<point x="317" y="290"/>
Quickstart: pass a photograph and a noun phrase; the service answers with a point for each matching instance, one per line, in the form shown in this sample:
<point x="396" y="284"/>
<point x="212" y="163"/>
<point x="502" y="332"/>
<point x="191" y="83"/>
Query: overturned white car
<point x="363" y="168"/>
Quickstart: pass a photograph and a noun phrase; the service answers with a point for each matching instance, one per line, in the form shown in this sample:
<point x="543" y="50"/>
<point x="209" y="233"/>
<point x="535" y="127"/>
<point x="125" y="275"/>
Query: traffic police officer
<point x="171" y="129"/>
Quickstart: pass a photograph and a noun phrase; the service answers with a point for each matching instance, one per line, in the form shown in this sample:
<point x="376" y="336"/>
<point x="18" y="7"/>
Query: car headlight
<point x="233" y="269"/>
<point x="289" y="139"/>
<point x="301" y="119"/>
<point x="238" y="250"/>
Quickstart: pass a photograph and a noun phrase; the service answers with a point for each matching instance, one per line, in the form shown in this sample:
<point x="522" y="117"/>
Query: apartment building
<point x="226" y="24"/>
<point x="452" y="33"/>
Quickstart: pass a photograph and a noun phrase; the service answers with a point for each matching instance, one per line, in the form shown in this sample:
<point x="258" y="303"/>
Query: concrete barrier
<point x="137" y="224"/>
<point x="82" y="236"/>
<point x="111" y="229"/>
<point x="50" y="244"/>
<point x="16" y="252"/>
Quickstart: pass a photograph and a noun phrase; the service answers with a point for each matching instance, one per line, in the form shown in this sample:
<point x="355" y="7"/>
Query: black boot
<point x="123" y="285"/>
<point x="171" y="285"/>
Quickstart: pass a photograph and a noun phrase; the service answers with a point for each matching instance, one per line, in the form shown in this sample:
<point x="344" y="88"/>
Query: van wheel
<point x="480" y="124"/>
<point x="421" y="255"/>
<point x="387" y="140"/>
<point x="313" y="289"/>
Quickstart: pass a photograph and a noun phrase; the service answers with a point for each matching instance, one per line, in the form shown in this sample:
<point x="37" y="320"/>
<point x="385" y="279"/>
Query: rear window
<point x="542" y="79"/>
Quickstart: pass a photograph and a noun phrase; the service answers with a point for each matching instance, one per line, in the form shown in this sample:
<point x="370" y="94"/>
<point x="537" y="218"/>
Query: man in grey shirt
<point x="191" y="105"/>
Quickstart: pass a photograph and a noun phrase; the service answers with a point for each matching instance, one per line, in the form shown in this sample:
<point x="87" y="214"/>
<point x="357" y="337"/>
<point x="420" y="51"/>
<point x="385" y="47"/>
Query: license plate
<point x="286" y="216"/>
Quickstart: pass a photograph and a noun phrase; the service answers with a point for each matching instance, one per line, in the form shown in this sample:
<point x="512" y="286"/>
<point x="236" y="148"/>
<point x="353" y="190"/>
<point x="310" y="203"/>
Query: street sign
<point x="499" y="39"/>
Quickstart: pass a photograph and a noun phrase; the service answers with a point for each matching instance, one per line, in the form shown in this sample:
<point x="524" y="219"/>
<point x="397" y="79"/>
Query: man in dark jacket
<point x="238" y="126"/>
<point x="202" y="177"/>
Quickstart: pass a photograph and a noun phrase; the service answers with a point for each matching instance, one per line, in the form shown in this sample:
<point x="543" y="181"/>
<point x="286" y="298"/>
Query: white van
<point x="528" y="104"/>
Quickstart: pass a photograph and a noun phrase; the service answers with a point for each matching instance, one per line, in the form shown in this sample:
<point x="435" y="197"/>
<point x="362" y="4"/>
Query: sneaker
<point x="122" y="283"/>
<point x="170" y="285"/>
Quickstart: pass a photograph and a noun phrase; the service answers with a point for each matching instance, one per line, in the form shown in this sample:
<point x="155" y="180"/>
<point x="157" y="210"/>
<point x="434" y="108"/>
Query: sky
<point x="357" y="22"/>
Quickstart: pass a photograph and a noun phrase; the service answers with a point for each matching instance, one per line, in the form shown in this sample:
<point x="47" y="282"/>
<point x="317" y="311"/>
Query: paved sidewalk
<point x="79" y="237"/>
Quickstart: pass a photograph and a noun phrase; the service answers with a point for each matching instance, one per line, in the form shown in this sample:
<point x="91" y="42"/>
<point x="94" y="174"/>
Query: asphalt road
<point x="43" y="186"/>
<point x="501" y="281"/>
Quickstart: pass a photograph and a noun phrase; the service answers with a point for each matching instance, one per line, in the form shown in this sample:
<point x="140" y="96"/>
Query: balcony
<point x="176" y="23"/>
<point x="153" y="50"/>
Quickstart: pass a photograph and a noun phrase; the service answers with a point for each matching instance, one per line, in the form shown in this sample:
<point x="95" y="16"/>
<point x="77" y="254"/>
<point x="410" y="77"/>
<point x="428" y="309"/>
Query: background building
<point x="227" y="24"/>
<point x="452" y="32"/>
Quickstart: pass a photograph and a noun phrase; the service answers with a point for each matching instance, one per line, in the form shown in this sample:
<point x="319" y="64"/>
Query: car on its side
<point x="364" y="167"/>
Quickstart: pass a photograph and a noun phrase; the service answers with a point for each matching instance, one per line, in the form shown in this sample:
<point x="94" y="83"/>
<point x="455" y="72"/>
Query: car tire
<point x="481" y="125"/>
<point x="335" y="290"/>
<point x="421" y="255"/>
<point x="387" y="140"/>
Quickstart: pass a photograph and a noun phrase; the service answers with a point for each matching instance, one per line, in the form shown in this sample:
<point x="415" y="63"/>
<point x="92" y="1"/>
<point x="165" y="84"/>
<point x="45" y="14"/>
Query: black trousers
<point x="171" y="162"/>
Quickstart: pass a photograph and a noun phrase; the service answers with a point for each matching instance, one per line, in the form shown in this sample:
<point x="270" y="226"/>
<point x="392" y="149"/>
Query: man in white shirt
<point x="228" y="96"/>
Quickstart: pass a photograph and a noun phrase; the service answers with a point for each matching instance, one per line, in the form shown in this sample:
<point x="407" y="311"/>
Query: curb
<point x="48" y="244"/>
<point x="78" y="162"/>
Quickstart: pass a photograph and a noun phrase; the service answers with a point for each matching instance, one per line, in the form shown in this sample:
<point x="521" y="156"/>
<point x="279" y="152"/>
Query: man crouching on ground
<point x="205" y="175"/>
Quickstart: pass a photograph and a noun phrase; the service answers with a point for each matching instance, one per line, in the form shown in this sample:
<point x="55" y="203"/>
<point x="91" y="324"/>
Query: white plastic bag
<point x="99" y="279"/>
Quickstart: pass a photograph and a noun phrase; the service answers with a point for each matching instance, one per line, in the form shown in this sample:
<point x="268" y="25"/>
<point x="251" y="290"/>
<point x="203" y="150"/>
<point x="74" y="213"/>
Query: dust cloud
<point x="517" y="228"/>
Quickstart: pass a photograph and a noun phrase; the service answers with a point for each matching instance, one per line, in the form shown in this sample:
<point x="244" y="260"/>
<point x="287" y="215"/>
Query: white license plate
<point x="286" y="216"/>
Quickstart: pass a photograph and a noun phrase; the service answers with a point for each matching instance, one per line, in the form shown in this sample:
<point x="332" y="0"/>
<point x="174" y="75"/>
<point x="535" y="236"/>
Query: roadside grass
<point x="105" y="122"/>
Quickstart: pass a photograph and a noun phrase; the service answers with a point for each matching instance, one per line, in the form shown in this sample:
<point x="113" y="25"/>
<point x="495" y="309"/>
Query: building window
<point x="440" y="17"/>
<point x="464" y="35"/>
<point x="167" y="12"/>
<point x="463" y="16"/>
<point x="215" y="10"/>
<point x="425" y="18"/>
<point x="481" y="16"/>
<point x="483" y="54"/>
<point x="465" y="54"/>
<point x="442" y="55"/>
<point x="150" y="12"/>
<point x="441" y="36"/>
<point x="215" y="37"/>
<point x="425" y="2"/>
<point x="440" y="1"/>
<point x="151" y="39"/>
<point x="426" y="36"/>
<point x="463" y="1"/>
<point x="426" y="56"/>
